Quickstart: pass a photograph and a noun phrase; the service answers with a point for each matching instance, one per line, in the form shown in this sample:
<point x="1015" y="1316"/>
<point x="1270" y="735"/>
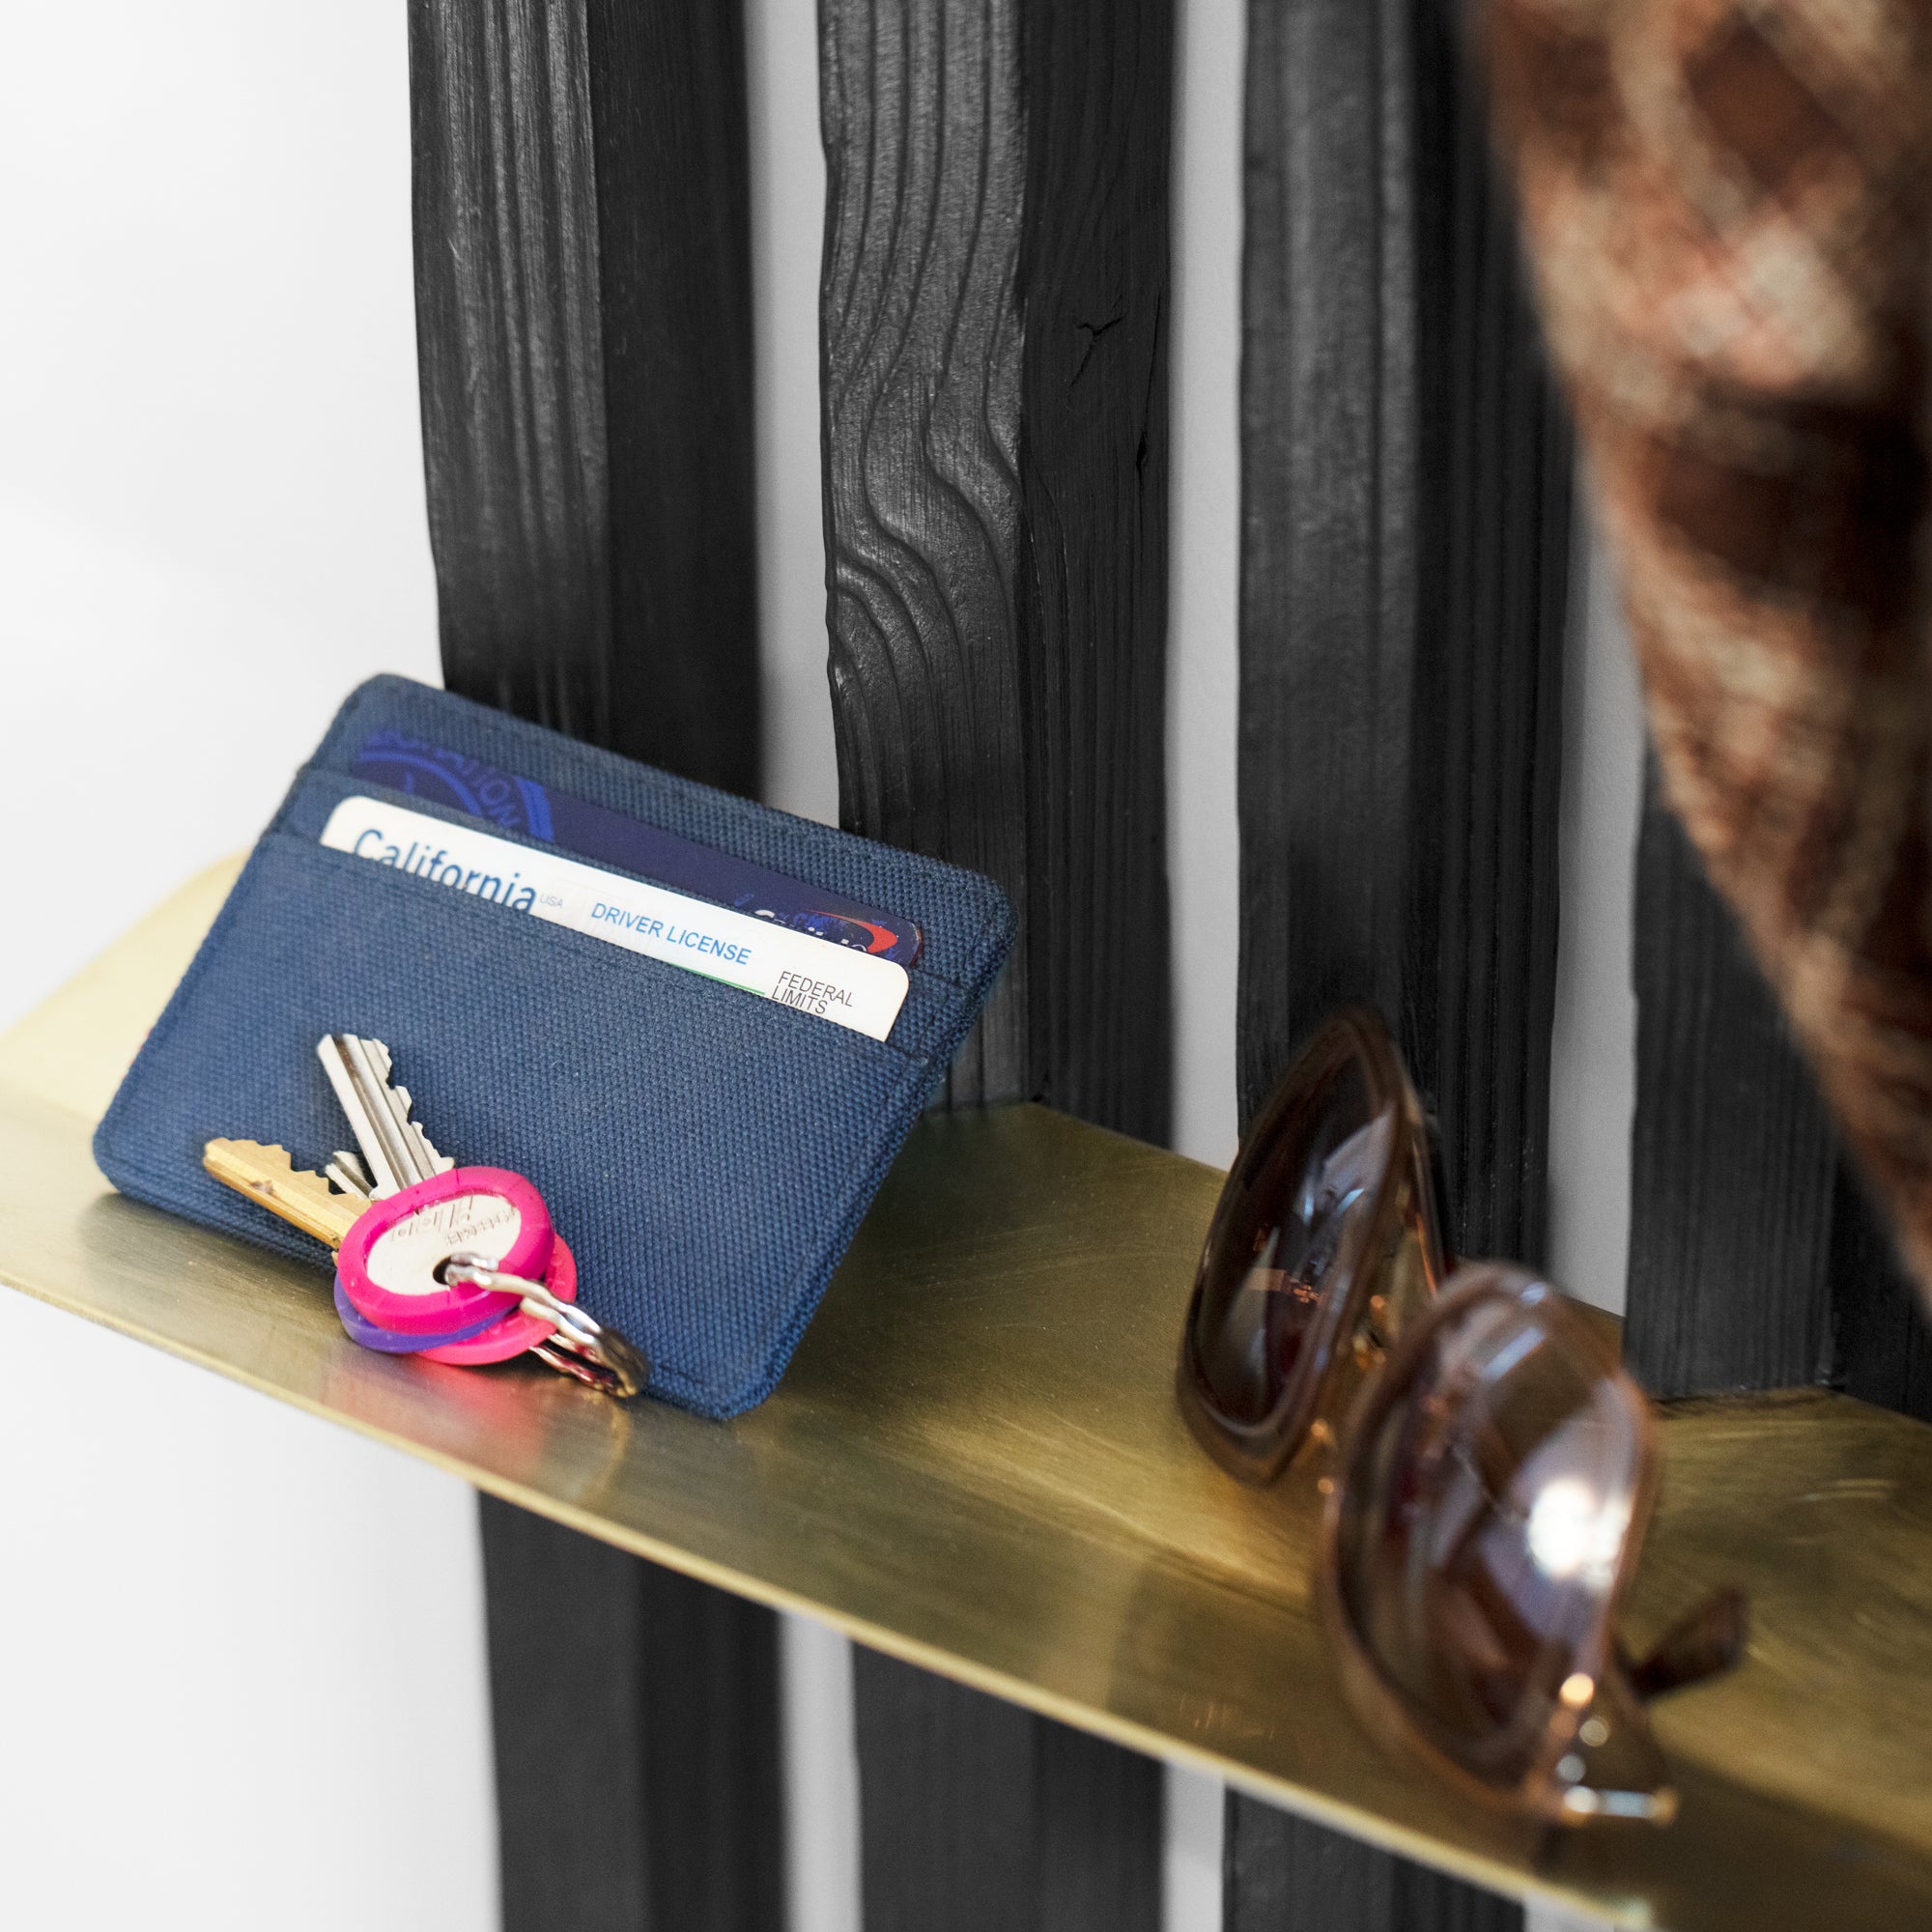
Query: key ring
<point x="581" y="1346"/>
<point x="386" y="1261"/>
<point x="501" y="1332"/>
<point x="515" y="1332"/>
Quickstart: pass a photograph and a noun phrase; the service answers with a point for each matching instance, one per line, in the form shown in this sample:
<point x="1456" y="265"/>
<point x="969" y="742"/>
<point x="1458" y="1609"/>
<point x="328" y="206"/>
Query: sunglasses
<point x="1493" y="1467"/>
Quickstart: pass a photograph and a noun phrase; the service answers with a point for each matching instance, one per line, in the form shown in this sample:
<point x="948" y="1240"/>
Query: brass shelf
<point x="976" y="1463"/>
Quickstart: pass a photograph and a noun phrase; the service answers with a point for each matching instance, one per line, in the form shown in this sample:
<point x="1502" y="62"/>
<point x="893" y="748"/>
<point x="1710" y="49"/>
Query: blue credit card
<point x="609" y="837"/>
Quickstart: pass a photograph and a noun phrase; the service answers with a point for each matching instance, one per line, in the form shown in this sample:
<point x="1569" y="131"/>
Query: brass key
<point x="302" y="1197"/>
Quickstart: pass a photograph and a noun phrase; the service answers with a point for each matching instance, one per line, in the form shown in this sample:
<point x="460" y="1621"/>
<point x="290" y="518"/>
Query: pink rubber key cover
<point x="516" y="1332"/>
<point x="430" y="1309"/>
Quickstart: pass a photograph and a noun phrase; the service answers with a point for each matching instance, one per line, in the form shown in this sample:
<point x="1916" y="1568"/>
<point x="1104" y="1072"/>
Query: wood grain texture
<point x="583" y="329"/>
<point x="1405" y="560"/>
<point x="978" y="1814"/>
<point x="584" y="341"/>
<point x="993" y="326"/>
<point x="1733" y="1161"/>
<point x="994" y="334"/>
<point x="1756" y="1259"/>
<point x="1405" y="474"/>
<point x="509" y="352"/>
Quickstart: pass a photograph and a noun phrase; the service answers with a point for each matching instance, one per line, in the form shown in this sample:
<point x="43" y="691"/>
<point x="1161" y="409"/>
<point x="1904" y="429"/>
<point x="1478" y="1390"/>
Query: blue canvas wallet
<point x="707" y="1153"/>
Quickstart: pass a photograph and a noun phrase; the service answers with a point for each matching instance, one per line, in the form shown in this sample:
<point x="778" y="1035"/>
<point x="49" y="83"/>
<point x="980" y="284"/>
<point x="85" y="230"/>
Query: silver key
<point x="349" y="1174"/>
<point x="427" y="1161"/>
<point x="395" y="1149"/>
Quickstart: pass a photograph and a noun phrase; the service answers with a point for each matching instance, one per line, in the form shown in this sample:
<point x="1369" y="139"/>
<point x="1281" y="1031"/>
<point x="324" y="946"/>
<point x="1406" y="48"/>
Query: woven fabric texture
<point x="1728" y="206"/>
<point x="707" y="1153"/>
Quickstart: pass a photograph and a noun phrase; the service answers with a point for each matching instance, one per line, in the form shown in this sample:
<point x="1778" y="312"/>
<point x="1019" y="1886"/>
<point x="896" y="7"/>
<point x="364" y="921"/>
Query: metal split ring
<point x="581" y="1346"/>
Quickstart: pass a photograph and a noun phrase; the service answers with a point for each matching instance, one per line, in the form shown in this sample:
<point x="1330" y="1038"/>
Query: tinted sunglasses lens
<point x="1312" y="1168"/>
<point x="1485" y="1509"/>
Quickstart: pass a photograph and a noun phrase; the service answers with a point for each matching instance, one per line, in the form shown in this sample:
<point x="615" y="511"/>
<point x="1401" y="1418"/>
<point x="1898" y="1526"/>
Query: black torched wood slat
<point x="1284" y="1874"/>
<point x="1733" y="1162"/>
<point x="676" y="1825"/>
<point x="1403" y="581"/>
<point x="1404" y="550"/>
<point x="994" y="332"/>
<point x="980" y="1814"/>
<point x="583" y="305"/>
<point x="1882" y="1345"/>
<point x="584" y="341"/>
<point x="1756" y="1261"/>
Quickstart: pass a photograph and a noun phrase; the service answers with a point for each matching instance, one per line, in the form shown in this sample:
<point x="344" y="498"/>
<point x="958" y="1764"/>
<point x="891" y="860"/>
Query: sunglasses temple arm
<point x="1706" y="1640"/>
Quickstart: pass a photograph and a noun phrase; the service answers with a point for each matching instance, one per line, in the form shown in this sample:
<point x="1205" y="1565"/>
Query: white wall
<point x="207" y="1595"/>
<point x="210" y="479"/>
<point x="1593" y="1053"/>
<point x="1204" y="552"/>
<point x="787" y="223"/>
<point x="210" y="526"/>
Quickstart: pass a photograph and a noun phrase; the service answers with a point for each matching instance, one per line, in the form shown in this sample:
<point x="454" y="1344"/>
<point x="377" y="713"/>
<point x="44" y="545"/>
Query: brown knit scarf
<point x="1727" y="205"/>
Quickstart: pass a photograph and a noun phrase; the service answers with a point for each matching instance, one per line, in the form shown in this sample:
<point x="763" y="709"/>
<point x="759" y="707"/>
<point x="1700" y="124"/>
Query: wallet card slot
<point x="412" y="899"/>
<point x="930" y="996"/>
<point x="963" y="918"/>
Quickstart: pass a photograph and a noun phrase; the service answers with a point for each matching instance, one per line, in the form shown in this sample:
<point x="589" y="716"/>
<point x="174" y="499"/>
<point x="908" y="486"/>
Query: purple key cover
<point x="372" y="1335"/>
<point x="595" y="832"/>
